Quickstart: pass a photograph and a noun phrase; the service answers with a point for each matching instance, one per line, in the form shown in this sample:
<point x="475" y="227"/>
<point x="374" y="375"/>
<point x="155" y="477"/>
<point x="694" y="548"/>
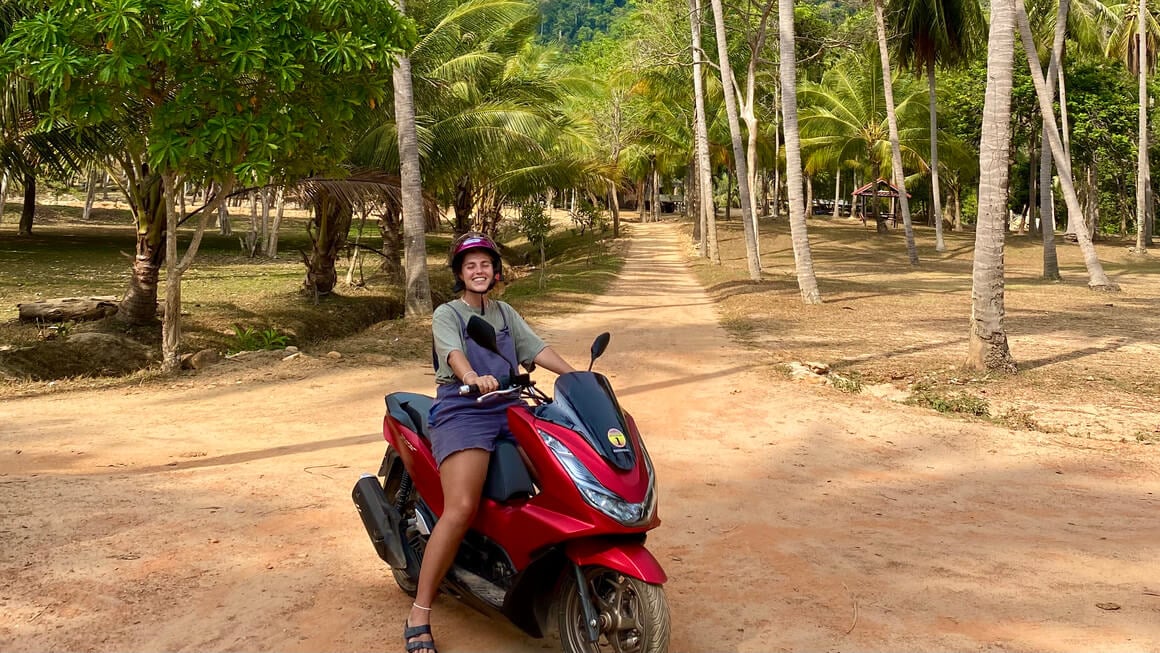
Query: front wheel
<point x="633" y="615"/>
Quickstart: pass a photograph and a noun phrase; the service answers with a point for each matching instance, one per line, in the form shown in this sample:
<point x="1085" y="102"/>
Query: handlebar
<point x="513" y="384"/>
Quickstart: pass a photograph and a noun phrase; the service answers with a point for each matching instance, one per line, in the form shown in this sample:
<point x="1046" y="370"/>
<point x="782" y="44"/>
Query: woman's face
<point x="476" y="271"/>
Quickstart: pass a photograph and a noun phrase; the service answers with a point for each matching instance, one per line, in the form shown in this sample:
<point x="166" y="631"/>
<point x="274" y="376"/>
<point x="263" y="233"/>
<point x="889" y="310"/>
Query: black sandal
<point x="415" y="631"/>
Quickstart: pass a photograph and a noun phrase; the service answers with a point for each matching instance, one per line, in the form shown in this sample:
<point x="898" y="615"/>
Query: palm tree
<point x="418" y="294"/>
<point x="933" y="32"/>
<point x="739" y="158"/>
<point x="987" y="346"/>
<point x="708" y="216"/>
<point x="892" y="120"/>
<point x="803" y="259"/>
<point x="1097" y="279"/>
<point x="845" y="116"/>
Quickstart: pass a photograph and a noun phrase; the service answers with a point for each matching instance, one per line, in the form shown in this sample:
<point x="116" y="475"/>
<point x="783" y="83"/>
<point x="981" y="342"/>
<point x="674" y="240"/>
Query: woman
<point x="463" y="433"/>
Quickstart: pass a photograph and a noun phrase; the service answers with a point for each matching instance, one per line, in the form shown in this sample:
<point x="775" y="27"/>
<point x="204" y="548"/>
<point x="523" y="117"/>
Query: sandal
<point x="410" y="632"/>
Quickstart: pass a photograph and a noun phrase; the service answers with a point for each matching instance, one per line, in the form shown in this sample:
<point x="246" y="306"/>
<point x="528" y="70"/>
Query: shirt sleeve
<point x="448" y="338"/>
<point x="528" y="344"/>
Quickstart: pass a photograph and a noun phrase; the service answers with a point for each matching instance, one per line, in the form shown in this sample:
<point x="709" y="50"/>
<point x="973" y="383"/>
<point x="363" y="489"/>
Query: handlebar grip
<point x="468" y="389"/>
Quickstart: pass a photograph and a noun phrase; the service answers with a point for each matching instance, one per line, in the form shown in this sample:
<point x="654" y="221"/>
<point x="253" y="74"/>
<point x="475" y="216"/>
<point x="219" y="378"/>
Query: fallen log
<point x="68" y="309"/>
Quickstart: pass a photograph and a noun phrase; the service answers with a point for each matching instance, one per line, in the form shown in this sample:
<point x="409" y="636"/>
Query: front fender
<point x="628" y="557"/>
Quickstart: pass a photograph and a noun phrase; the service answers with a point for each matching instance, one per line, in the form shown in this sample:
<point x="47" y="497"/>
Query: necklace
<point x="468" y="304"/>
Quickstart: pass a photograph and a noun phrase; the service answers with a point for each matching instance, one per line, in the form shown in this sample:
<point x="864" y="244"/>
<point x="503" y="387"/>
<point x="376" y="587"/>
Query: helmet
<point x="470" y="241"/>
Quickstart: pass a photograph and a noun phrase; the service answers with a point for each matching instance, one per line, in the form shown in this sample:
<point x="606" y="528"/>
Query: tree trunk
<point x="225" y="227"/>
<point x="1097" y="279"/>
<point x="279" y="209"/>
<point x="935" y="191"/>
<point x="464" y="199"/>
<point x="641" y="187"/>
<point x="328" y="232"/>
<point x="753" y="263"/>
<point x="139" y="306"/>
<point x="898" y="173"/>
<point x="67" y="309"/>
<point x="414" y="225"/>
<point x="90" y="193"/>
<point x="987" y="348"/>
<point x="777" y="130"/>
<point x="614" y="200"/>
<point x="701" y="141"/>
<point x="787" y="76"/>
<point x="1142" y="172"/>
<point x="391" y="227"/>
<point x="656" y="194"/>
<point x="4" y="192"/>
<point x="28" y="213"/>
<point x="175" y="269"/>
<point x="1046" y="188"/>
<point x="837" y="193"/>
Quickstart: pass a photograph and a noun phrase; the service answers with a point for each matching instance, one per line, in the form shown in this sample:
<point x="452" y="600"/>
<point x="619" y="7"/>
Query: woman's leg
<point x="462" y="475"/>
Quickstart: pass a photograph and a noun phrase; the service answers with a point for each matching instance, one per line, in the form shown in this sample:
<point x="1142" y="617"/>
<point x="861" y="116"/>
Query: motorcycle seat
<point x="410" y="409"/>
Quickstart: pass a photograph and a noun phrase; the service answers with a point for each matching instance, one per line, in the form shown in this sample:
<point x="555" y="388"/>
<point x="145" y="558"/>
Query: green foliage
<point x="247" y="339"/>
<point x="929" y="396"/>
<point x="534" y="222"/>
<point x="250" y="88"/>
<point x="589" y="216"/>
<point x="850" y="382"/>
<point x="569" y="22"/>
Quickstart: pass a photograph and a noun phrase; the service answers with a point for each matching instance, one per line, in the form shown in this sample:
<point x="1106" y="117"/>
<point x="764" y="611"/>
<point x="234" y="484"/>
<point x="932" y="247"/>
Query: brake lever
<point x="496" y="393"/>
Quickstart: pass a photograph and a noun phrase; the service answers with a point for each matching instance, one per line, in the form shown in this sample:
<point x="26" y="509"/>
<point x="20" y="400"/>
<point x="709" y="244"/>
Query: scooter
<point x="560" y="531"/>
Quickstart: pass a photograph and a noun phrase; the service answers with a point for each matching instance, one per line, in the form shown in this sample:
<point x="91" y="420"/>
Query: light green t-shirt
<point x="448" y="333"/>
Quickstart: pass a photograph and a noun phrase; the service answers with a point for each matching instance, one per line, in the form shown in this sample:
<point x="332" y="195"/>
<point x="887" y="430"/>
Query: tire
<point x="406" y="578"/>
<point x="633" y="614"/>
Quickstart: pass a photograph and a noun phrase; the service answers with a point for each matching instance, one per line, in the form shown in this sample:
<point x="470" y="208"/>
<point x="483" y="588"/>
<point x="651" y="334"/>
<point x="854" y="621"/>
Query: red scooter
<point x="561" y="528"/>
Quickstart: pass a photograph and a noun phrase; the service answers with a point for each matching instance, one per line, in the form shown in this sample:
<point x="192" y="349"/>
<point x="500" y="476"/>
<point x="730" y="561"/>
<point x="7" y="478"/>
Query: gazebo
<point x="877" y="188"/>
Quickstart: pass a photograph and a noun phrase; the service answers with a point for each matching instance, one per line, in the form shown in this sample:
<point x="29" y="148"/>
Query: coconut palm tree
<point x="936" y="32"/>
<point x="418" y="293"/>
<point x="739" y="156"/>
<point x="803" y="259"/>
<point x="1097" y="278"/>
<point x="987" y="345"/>
<point x="708" y="216"/>
<point x="845" y="115"/>
<point x="892" y="121"/>
<point x="1135" y="32"/>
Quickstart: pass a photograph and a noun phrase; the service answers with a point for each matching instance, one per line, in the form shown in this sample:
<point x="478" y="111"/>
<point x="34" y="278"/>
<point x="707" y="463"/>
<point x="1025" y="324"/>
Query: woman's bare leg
<point x="462" y="475"/>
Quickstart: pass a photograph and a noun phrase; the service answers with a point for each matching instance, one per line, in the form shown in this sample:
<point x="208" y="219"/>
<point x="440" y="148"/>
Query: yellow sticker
<point x="616" y="438"/>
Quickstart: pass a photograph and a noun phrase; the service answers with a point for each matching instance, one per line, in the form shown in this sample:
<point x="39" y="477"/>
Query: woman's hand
<point x="485" y="384"/>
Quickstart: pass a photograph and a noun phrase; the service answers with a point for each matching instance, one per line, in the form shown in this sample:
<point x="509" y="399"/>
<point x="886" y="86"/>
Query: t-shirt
<point x="448" y="333"/>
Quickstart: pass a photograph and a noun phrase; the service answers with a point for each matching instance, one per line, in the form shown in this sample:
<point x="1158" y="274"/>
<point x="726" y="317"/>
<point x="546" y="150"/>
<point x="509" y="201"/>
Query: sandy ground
<point x="213" y="513"/>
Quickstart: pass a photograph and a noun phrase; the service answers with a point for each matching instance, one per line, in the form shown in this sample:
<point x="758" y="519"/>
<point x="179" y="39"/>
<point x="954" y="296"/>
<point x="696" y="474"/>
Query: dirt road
<point x="214" y="513"/>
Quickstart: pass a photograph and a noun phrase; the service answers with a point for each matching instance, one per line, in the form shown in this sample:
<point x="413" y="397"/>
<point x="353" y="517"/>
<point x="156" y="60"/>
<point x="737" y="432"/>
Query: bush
<point x="927" y="396"/>
<point x="589" y="216"/>
<point x="534" y="223"/>
<point x="247" y="339"/>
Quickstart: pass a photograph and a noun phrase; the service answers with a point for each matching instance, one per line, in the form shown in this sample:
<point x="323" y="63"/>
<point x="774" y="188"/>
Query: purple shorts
<point x="459" y="430"/>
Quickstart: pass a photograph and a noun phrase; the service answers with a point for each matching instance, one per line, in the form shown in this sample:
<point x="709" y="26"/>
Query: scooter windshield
<point x="585" y="403"/>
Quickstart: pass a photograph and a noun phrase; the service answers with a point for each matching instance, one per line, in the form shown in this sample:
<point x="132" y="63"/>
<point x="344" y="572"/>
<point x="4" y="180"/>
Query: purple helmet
<point x="469" y="241"/>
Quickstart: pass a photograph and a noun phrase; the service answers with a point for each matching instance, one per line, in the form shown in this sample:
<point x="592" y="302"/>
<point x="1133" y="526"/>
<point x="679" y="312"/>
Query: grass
<point x="231" y="301"/>
<point x="1089" y="362"/>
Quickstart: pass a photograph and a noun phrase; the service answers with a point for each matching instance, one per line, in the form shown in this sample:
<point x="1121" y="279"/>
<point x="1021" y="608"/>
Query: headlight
<point x="594" y="492"/>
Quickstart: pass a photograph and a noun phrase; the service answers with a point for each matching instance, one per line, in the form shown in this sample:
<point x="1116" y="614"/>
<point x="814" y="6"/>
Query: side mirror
<point x="482" y="333"/>
<point x="598" y="347"/>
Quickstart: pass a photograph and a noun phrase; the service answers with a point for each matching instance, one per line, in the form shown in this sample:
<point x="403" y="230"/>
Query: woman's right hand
<point x="486" y="384"/>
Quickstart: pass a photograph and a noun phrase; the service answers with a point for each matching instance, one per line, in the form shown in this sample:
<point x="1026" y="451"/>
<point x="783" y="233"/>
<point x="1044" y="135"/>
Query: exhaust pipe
<point x="382" y="521"/>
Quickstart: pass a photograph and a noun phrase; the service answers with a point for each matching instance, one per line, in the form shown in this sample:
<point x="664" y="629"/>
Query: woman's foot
<point x="418" y="636"/>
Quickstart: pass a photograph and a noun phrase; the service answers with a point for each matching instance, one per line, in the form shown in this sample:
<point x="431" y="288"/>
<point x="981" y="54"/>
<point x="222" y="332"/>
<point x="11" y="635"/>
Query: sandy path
<point x="214" y="513"/>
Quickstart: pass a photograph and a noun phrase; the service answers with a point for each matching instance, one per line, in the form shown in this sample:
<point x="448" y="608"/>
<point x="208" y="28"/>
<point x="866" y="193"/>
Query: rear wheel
<point x="632" y="615"/>
<point x="406" y="578"/>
